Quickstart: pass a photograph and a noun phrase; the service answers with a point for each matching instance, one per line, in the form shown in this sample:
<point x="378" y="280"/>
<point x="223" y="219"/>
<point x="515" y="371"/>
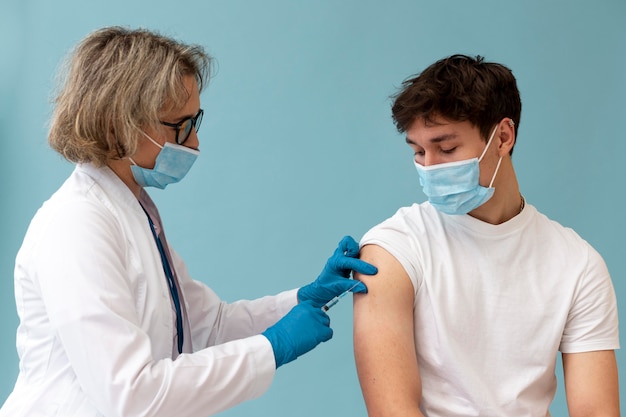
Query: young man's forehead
<point x="438" y="131"/>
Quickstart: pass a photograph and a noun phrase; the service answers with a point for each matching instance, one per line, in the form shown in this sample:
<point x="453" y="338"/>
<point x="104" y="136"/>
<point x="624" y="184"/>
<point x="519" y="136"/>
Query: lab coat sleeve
<point x="214" y="321"/>
<point x="79" y="262"/>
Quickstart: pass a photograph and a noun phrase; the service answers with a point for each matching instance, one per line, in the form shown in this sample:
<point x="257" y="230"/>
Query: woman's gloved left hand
<point x="335" y="277"/>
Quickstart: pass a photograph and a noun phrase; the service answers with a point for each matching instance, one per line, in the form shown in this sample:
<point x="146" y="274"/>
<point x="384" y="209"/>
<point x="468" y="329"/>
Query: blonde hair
<point x="114" y="84"/>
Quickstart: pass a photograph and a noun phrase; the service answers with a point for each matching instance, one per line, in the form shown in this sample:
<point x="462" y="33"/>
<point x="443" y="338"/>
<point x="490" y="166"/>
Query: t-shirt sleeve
<point x="592" y="323"/>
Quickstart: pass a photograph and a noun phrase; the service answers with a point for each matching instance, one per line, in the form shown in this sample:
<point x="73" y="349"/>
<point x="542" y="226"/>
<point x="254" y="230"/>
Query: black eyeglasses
<point x="183" y="128"/>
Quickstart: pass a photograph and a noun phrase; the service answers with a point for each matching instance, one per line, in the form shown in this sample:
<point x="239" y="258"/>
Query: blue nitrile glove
<point x="303" y="328"/>
<point x="334" y="277"/>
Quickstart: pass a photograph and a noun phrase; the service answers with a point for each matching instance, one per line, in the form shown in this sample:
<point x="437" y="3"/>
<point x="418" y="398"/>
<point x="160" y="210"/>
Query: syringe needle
<point x="336" y="299"/>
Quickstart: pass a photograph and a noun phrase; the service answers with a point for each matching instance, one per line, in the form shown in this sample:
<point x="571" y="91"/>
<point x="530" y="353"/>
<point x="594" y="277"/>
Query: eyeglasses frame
<point x="194" y="125"/>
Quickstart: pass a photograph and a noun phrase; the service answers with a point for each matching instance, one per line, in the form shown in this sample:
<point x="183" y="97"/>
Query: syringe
<point x="336" y="299"/>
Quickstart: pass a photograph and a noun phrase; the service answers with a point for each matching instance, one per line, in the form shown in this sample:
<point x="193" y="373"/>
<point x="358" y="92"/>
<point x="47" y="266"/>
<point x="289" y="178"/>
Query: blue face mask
<point x="171" y="165"/>
<point x="454" y="188"/>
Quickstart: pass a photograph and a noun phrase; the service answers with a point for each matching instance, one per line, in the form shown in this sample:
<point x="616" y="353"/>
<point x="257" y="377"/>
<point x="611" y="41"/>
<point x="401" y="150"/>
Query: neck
<point x="121" y="168"/>
<point x="498" y="212"/>
<point x="507" y="201"/>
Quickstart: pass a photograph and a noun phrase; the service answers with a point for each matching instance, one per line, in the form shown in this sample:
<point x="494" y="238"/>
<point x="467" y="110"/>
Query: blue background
<point x="298" y="147"/>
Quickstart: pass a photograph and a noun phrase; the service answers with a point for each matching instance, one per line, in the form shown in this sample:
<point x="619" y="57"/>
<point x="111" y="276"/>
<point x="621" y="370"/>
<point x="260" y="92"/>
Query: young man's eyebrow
<point x="436" y="139"/>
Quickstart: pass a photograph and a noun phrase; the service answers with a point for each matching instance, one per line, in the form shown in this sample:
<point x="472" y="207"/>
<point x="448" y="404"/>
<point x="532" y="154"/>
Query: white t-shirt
<point x="495" y="303"/>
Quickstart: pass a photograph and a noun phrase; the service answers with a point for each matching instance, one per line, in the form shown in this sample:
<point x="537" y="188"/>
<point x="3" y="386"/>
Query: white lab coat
<point x="96" y="322"/>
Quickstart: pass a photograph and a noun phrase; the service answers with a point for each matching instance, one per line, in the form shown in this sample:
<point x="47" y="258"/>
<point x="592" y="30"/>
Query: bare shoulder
<point x="384" y="344"/>
<point x="391" y="283"/>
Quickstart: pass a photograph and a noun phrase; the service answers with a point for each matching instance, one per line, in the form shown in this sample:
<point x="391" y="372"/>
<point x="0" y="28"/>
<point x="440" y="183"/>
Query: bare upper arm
<point x="591" y="383"/>
<point x="384" y="343"/>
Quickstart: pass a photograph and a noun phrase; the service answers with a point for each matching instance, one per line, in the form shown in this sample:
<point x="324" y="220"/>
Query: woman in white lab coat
<point x="111" y="324"/>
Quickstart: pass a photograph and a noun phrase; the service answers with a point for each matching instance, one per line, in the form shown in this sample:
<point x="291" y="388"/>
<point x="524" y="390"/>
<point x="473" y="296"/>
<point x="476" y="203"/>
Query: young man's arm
<point x="384" y="345"/>
<point x="591" y="384"/>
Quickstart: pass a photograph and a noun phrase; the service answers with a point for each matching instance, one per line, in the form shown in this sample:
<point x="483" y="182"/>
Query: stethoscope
<point x="171" y="283"/>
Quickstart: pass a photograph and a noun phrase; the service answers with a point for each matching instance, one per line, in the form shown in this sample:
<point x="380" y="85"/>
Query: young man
<point x="477" y="291"/>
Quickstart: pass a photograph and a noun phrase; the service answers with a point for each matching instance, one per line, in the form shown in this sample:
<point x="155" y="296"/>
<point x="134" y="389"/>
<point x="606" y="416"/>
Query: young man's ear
<point x="506" y="133"/>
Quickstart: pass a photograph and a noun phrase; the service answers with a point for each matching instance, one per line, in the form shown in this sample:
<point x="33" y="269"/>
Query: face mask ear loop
<point x="488" y="143"/>
<point x="151" y="140"/>
<point x="493" y="178"/>
<point x="495" y="172"/>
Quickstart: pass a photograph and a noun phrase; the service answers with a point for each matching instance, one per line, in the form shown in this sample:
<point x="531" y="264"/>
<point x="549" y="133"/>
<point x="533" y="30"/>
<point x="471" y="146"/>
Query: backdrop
<point x="298" y="147"/>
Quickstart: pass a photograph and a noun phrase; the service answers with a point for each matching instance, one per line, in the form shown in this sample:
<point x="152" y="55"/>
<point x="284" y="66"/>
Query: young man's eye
<point x="450" y="150"/>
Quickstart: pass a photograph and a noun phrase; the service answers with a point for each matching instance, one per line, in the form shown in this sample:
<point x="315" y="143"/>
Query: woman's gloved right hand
<point x="299" y="331"/>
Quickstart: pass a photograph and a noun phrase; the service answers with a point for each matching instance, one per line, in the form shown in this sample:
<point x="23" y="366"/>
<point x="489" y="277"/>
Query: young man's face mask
<point x="454" y="188"/>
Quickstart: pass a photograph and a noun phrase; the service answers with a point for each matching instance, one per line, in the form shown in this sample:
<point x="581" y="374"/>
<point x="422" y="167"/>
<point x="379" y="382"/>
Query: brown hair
<point x="459" y="88"/>
<point x="115" y="83"/>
